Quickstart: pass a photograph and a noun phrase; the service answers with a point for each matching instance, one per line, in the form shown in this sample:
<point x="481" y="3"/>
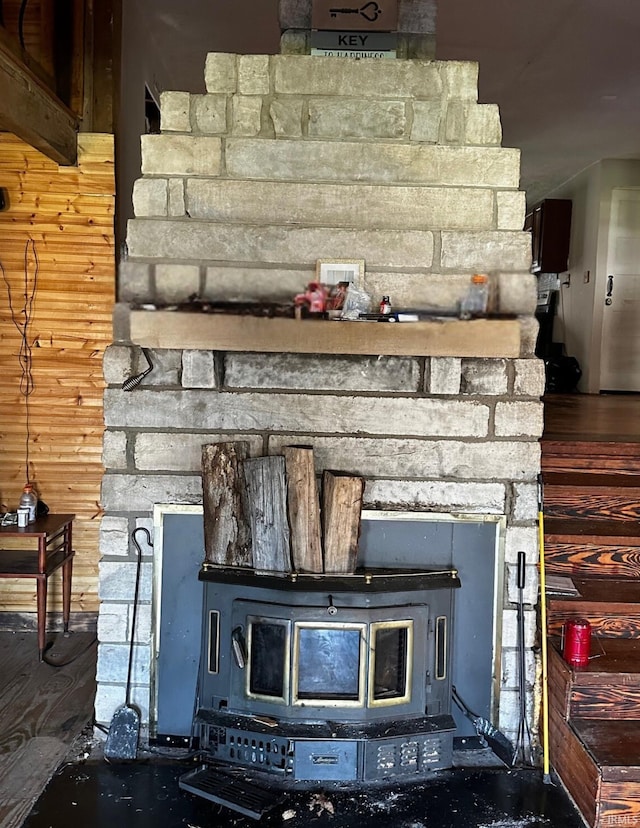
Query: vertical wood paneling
<point x="67" y="212"/>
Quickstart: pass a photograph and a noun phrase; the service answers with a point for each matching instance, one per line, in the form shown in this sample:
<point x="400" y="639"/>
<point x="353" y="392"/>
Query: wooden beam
<point x="218" y="332"/>
<point x="32" y="112"/>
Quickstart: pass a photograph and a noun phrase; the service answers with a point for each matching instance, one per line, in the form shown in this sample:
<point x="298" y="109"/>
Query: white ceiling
<point x="565" y="73"/>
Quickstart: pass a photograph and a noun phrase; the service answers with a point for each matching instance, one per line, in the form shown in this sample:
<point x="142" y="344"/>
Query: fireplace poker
<point x="124" y="732"/>
<point x="524" y="733"/>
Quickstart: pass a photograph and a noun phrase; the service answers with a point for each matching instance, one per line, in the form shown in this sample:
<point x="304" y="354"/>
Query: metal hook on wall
<point x="134" y="382"/>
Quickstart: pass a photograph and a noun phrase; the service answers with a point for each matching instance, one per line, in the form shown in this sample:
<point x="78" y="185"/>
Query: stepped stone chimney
<point x="285" y="160"/>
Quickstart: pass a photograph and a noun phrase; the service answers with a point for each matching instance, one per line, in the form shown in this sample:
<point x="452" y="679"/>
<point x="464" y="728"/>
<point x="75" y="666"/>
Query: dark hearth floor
<point x="105" y="795"/>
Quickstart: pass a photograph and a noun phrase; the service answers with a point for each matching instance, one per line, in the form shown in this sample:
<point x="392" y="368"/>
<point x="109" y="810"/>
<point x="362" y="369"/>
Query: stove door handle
<point x="239" y="647"/>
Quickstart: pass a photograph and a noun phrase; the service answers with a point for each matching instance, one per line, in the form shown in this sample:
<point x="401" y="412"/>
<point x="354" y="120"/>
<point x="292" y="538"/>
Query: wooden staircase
<point x="592" y="535"/>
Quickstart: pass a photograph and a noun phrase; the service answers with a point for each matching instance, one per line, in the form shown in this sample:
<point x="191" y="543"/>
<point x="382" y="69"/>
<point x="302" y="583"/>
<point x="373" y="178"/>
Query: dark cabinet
<point x="550" y="227"/>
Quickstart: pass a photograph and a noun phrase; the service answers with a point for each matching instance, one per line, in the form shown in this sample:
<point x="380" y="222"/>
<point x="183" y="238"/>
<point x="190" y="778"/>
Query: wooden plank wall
<point x="65" y="216"/>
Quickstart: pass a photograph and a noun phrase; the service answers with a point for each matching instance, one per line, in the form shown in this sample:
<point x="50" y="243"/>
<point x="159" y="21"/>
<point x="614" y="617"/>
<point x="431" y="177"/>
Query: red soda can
<point x="577" y="642"/>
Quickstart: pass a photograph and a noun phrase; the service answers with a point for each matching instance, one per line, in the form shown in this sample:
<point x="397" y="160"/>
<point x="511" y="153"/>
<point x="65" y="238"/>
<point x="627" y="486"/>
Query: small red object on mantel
<point x="577" y="642"/>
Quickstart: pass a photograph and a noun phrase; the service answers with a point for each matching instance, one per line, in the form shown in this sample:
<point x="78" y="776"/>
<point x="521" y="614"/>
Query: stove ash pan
<point x="325" y="678"/>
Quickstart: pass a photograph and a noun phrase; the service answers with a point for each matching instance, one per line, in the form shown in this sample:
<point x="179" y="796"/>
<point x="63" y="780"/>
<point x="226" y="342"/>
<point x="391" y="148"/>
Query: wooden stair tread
<point x="591" y="443"/>
<point x="611" y="658"/>
<point x="602" y="532"/>
<point x="613" y="745"/>
<point x="605" y="480"/>
<point x="608" y="590"/>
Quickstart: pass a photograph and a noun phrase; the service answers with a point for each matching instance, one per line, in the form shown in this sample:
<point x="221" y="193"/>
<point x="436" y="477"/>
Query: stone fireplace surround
<point x="284" y="160"/>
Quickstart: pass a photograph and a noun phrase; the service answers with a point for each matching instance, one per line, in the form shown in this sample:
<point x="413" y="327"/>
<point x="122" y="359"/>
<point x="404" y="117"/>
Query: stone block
<point x="295" y="42"/>
<point x="483" y="127"/>
<point x="521" y="538"/>
<point x="510" y="628"/>
<point x="432" y="290"/>
<point x="530" y="377"/>
<point x="427" y="116"/>
<point x="175" y="112"/>
<point x="116" y="364"/>
<point x="420" y="459"/>
<point x="167" y="451"/>
<point x="312" y="372"/>
<point x="121" y="320"/>
<point x="366" y="78"/>
<point x="455" y="122"/>
<point x="525" y="507"/>
<point x="246" y="115"/>
<point x="209" y="113"/>
<point x="302" y="413"/>
<point x="150" y="197"/>
<point x="117" y="581"/>
<point x="220" y="72"/>
<point x="176" y="282"/>
<point x="484" y="377"/>
<point x="113" y="623"/>
<point x="258" y="284"/>
<point x="114" y="536"/>
<point x="181" y="155"/>
<point x="198" y="369"/>
<point x="519" y="419"/>
<point x="167" y="365"/>
<point x="253" y="74"/>
<point x="340" y="118"/>
<point x="518" y="292"/>
<point x="113" y="663"/>
<point x="436" y="495"/>
<point x="332" y="205"/>
<point x="511" y="207"/>
<point x="143" y="625"/>
<point x="416" y="46"/>
<point x="509" y="714"/>
<point x="294" y="14"/>
<point x="486" y="251"/>
<point x="111" y="696"/>
<point x="530" y="591"/>
<point x="286" y="117"/>
<point x="459" y="79"/>
<point x="155" y="239"/>
<point x="138" y="493"/>
<point x="417" y="16"/>
<point x="444" y="375"/>
<point x="511" y="666"/>
<point x="114" y="450"/>
<point x="374" y="163"/>
<point x="176" y="197"/>
<point x="528" y="336"/>
<point x="134" y="281"/>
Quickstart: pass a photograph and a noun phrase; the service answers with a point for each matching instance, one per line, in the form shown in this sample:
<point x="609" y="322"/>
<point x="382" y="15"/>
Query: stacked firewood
<point x="264" y="513"/>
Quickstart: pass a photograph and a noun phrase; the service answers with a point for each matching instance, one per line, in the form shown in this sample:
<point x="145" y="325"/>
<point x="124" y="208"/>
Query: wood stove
<point x="309" y="680"/>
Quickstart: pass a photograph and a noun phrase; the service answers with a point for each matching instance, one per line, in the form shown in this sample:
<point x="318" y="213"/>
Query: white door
<point x="620" y="349"/>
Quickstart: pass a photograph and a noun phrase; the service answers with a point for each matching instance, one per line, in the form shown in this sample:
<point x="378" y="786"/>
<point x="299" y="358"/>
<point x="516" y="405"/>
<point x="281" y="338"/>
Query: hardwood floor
<point x="592" y="417"/>
<point x="44" y="709"/>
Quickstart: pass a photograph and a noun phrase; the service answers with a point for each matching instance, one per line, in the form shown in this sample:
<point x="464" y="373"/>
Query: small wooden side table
<point x="54" y="550"/>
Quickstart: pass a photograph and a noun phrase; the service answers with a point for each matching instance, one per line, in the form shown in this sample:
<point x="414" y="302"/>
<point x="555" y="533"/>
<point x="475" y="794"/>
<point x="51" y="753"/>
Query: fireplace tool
<point x="496" y="740"/>
<point x="524" y="733"/>
<point x="124" y="732"/>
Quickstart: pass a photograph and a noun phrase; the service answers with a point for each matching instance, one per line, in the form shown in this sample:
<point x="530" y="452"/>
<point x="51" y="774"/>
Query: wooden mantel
<point x="220" y="332"/>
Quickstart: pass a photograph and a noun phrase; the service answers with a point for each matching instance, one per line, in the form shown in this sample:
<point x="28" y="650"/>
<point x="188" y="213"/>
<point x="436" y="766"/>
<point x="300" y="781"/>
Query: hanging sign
<point x="359" y="16"/>
<point x="354" y="44"/>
